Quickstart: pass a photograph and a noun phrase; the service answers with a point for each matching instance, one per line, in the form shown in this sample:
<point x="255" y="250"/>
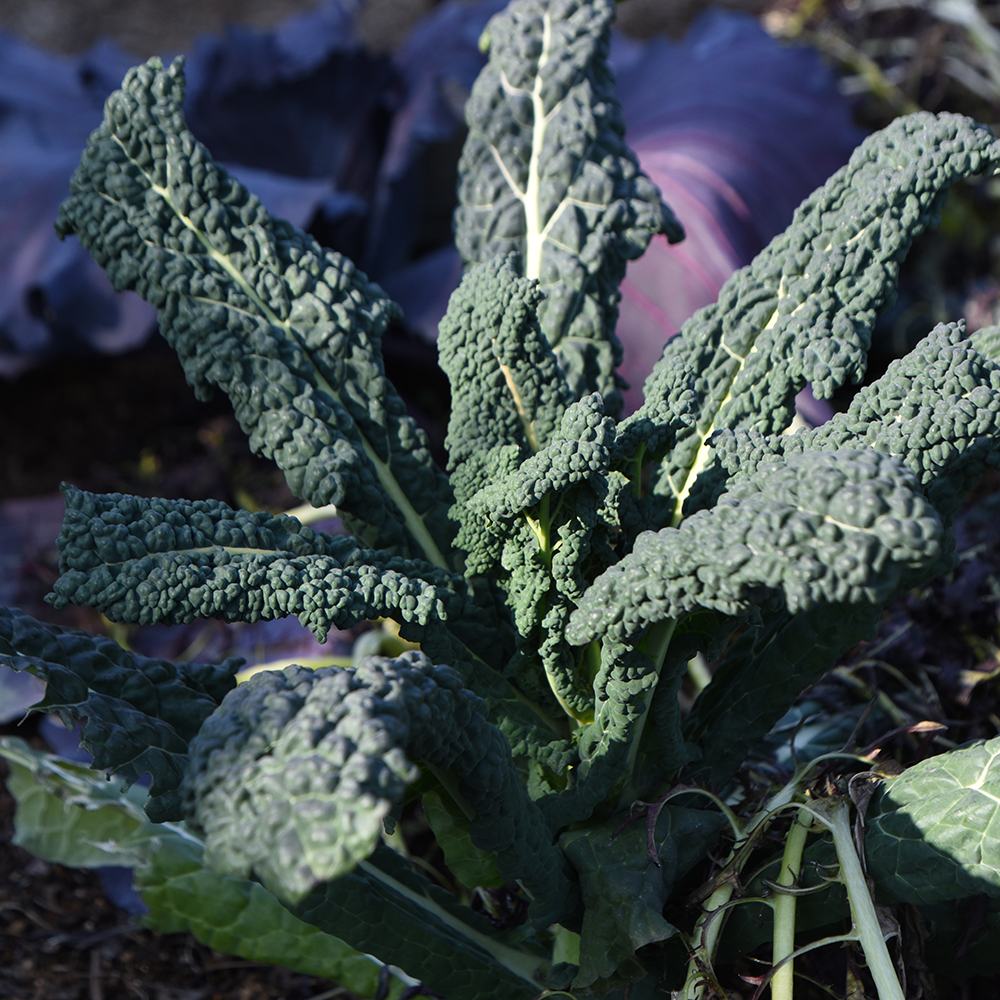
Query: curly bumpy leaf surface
<point x="580" y="450"/>
<point x="146" y="561"/>
<point x="937" y="411"/>
<point x="546" y="171"/>
<point x="837" y="527"/>
<point x="542" y="514"/>
<point x="538" y="744"/>
<point x="622" y="692"/>
<point x="803" y="310"/>
<point x="670" y="407"/>
<point x="933" y="833"/>
<point x="292" y="778"/>
<point x="507" y="391"/>
<point x="138" y="713"/>
<point x="506" y="386"/>
<point x="289" y="330"/>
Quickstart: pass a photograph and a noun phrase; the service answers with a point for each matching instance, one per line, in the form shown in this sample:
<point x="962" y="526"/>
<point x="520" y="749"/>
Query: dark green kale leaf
<point x="539" y="741"/>
<point x="147" y="561"/>
<point x="937" y="410"/>
<point x="139" y="714"/>
<point x="289" y="330"/>
<point x="452" y="950"/>
<point x="803" y="310"/>
<point x="625" y="888"/>
<point x="546" y="171"/>
<point x="292" y="778"/>
<point x="820" y="527"/>
<point x="608" y="747"/>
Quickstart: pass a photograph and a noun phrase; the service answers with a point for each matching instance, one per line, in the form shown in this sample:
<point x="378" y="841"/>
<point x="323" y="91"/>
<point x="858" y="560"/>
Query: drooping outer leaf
<point x="625" y="891"/>
<point x="138" y="713"/>
<point x="383" y="905"/>
<point x="546" y="171"/>
<point x="240" y="917"/>
<point x="289" y="330"/>
<point x="69" y="815"/>
<point x="624" y="896"/>
<point x="933" y="833"/>
<point x="937" y="410"/>
<point x="152" y="560"/>
<point x="803" y="310"/>
<point x="292" y="778"/>
<point x="821" y="527"/>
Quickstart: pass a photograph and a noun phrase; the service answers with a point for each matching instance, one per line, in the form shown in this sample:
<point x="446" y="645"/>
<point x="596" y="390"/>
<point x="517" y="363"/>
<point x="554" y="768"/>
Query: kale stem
<point x="697" y="670"/>
<point x="863" y="913"/>
<point x="704" y="941"/>
<point x="782" y="984"/>
<point x="709" y="926"/>
<point x="545" y="522"/>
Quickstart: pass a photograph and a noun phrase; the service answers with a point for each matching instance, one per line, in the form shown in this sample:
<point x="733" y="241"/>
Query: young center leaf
<point x="546" y="171"/>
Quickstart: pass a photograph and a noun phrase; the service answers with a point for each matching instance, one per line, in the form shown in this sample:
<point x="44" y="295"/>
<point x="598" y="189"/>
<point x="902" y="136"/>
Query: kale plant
<point x="562" y="575"/>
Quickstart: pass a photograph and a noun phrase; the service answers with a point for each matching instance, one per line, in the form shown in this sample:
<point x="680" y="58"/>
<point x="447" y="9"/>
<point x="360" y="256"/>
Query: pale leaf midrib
<point x="703" y="450"/>
<point x="534" y="239"/>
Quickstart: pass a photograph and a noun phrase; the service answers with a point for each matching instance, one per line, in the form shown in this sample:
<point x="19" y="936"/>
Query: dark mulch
<point x="127" y="424"/>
